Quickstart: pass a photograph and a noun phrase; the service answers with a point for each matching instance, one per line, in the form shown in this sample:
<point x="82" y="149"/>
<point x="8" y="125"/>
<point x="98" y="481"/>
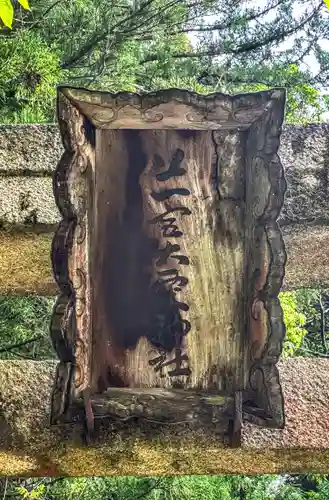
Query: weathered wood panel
<point x="221" y="212"/>
<point x="169" y="109"/>
<point x="119" y="301"/>
<point x="265" y="267"/>
<point x="194" y="242"/>
<point x="71" y="324"/>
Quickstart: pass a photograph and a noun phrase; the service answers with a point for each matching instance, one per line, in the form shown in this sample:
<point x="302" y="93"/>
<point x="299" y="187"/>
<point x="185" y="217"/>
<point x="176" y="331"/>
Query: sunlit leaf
<point x="326" y="3"/>
<point x="23" y="491"/>
<point x="6" y="12"/>
<point x="294" y="322"/>
<point x="24" y="4"/>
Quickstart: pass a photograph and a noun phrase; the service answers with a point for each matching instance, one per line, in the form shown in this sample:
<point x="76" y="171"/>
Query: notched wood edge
<point x="63" y="328"/>
<point x="270" y="385"/>
<point x="154" y="109"/>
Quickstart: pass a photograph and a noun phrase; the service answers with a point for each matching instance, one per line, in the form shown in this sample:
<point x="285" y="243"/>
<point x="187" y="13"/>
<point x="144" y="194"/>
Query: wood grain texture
<point x="71" y="321"/>
<point x="211" y="412"/>
<point x="265" y="189"/>
<point x="173" y="233"/>
<point x="161" y="249"/>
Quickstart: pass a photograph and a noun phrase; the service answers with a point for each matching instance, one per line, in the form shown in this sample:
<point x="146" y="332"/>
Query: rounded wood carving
<point x="244" y="133"/>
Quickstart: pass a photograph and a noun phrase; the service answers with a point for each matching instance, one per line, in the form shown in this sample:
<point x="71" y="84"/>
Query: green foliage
<point x="313" y="486"/>
<point x="143" y="45"/>
<point x="310" y="301"/>
<point x="303" y="320"/>
<point x="294" y="322"/>
<point x="163" y="488"/>
<point x="305" y="102"/>
<point x="23" y="319"/>
<point x="34" y="494"/>
<point x="29" y="72"/>
<point x="230" y="487"/>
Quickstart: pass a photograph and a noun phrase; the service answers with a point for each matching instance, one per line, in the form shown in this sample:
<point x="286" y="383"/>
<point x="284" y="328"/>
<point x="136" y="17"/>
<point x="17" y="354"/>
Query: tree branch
<point x="237" y="81"/>
<point x="229" y="24"/>
<point x="244" y="48"/>
<point x="43" y="15"/>
<point x="211" y="27"/>
<point x="20" y="344"/>
<point x="317" y="354"/>
<point x="95" y="39"/>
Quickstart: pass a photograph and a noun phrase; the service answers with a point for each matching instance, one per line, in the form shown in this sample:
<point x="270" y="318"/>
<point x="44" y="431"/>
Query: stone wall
<point x="304" y="152"/>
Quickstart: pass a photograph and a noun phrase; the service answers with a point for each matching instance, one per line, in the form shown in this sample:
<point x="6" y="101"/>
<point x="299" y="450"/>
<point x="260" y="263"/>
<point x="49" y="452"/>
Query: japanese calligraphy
<point x="171" y="277"/>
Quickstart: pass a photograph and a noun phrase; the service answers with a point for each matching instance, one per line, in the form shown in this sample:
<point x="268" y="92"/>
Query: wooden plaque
<point x="169" y="257"/>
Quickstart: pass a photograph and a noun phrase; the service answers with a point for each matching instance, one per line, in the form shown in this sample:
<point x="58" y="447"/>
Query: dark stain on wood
<point x="145" y="214"/>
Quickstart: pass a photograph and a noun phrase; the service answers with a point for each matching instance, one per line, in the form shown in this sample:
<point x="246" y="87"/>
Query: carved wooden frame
<point x="79" y="113"/>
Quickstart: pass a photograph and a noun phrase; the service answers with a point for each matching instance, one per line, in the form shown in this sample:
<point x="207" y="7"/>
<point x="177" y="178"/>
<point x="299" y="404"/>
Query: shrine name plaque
<point x="169" y="257"/>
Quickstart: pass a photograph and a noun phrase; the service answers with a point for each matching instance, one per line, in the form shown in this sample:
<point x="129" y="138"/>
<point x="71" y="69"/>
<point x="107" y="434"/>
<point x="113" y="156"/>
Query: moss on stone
<point x="25" y="263"/>
<point x="30" y="447"/>
<point x="145" y="459"/>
